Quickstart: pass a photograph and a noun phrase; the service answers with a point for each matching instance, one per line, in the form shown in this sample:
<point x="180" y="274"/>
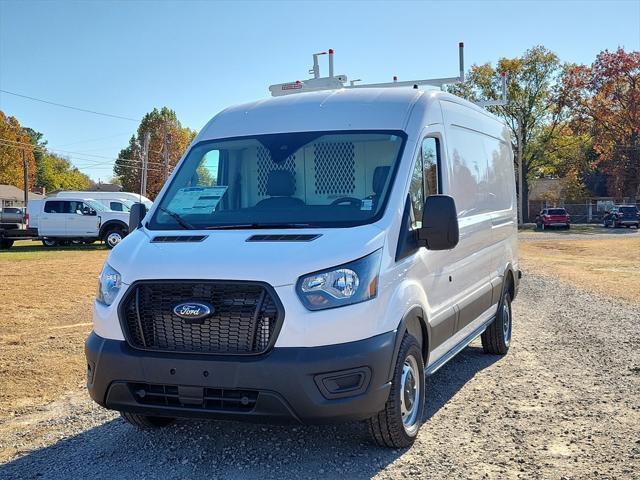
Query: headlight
<point x="109" y="285"/>
<point x="346" y="284"/>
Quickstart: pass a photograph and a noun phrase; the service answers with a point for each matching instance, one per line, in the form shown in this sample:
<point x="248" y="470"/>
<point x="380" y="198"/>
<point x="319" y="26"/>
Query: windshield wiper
<point x="183" y="223"/>
<point x="257" y="226"/>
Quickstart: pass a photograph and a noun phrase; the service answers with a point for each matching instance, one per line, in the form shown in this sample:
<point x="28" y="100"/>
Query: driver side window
<point x="424" y="178"/>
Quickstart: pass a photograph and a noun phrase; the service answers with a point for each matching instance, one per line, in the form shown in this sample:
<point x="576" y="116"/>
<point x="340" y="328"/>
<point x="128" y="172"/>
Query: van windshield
<point x="289" y="180"/>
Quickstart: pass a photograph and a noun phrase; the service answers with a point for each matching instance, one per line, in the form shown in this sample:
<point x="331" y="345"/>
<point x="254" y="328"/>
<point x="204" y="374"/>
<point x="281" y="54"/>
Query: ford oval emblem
<point x="193" y="311"/>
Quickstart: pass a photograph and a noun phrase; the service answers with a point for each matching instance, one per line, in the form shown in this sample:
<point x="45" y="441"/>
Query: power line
<point x="17" y="144"/>
<point x="69" y="106"/>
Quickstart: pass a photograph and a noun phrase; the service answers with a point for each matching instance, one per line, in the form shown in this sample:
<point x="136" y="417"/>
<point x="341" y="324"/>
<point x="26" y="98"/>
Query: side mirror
<point x="439" y="230"/>
<point x="137" y="213"/>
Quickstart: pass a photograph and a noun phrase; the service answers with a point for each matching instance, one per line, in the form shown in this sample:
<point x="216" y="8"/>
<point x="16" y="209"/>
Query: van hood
<point x="227" y="255"/>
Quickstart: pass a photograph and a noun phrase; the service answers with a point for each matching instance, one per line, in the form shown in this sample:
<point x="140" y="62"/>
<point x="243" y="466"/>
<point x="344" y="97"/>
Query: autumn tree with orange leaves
<point x="157" y="123"/>
<point x="605" y="99"/>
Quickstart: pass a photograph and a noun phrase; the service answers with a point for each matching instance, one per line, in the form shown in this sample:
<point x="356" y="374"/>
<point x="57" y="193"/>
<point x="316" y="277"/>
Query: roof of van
<point x="344" y="109"/>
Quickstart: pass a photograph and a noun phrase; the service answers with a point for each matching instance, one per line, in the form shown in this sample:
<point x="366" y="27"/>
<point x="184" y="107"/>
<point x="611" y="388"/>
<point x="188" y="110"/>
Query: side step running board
<point x="433" y="368"/>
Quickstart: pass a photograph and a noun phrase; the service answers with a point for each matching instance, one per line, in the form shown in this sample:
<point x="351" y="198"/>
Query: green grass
<point x="31" y="250"/>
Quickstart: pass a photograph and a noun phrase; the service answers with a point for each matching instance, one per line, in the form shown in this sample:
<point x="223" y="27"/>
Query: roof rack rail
<point x="335" y="82"/>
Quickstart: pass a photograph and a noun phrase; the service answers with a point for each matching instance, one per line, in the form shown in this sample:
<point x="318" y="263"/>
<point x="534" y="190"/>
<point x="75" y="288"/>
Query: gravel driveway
<point x="564" y="403"/>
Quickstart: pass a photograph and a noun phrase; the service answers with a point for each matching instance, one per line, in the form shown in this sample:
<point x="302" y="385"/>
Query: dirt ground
<point x="564" y="403"/>
<point x="45" y="315"/>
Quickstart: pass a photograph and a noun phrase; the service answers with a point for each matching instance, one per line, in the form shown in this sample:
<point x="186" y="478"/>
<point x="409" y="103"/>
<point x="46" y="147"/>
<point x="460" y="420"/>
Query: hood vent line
<point x="284" y="238"/>
<point x="178" y="238"/>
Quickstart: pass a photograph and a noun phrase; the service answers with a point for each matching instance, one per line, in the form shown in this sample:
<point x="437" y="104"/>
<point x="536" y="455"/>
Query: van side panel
<point x="470" y="183"/>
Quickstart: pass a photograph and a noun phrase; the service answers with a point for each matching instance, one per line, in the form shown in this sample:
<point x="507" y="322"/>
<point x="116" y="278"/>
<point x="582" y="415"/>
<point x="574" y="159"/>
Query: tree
<point x="14" y="142"/>
<point x="157" y="123"/>
<point x="57" y="173"/>
<point x="569" y="156"/>
<point x="535" y="102"/>
<point x="605" y="99"/>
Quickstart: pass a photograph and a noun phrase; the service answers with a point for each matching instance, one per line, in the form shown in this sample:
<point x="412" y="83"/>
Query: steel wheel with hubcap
<point x="410" y="398"/>
<point x="113" y="238"/>
<point x="397" y="425"/>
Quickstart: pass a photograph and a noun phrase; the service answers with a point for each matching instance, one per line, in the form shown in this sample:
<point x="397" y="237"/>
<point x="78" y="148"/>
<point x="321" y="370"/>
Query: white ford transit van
<point x="312" y="258"/>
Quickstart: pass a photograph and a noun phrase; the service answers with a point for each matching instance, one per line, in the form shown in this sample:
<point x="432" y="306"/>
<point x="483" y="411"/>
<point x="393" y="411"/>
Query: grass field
<point x="45" y="312"/>
<point x="610" y="266"/>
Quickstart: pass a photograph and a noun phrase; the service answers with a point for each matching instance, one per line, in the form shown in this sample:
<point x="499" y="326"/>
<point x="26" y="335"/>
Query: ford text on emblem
<point x="193" y="311"/>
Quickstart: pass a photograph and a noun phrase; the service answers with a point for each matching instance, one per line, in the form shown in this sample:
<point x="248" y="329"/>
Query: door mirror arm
<point x="439" y="230"/>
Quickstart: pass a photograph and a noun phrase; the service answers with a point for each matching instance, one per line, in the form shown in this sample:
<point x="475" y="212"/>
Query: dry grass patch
<point x="610" y="266"/>
<point x="45" y="316"/>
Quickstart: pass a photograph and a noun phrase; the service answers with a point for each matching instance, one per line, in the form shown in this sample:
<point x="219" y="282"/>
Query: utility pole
<point x="520" y="182"/>
<point x="26" y="178"/>
<point x="165" y="152"/>
<point x="145" y="163"/>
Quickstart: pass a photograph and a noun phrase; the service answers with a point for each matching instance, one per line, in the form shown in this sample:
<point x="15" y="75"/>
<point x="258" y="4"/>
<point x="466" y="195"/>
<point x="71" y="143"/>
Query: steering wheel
<point x="351" y="201"/>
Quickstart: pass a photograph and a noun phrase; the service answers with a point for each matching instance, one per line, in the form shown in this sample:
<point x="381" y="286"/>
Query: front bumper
<point x="306" y="385"/>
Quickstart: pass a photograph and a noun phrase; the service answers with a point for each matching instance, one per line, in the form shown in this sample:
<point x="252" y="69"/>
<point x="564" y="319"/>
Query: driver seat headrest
<point x="280" y="183"/>
<point x="380" y="175"/>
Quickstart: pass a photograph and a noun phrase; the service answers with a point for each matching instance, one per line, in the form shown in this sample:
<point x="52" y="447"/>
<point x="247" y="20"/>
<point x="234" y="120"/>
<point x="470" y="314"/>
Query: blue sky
<point x="125" y="58"/>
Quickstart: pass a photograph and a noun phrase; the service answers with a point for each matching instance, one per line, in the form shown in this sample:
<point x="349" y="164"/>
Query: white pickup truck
<point x="59" y="220"/>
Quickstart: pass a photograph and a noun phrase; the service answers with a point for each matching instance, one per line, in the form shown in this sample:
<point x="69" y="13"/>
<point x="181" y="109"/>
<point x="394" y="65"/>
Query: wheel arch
<point x="108" y="225"/>
<point x="415" y="323"/>
<point x="510" y="281"/>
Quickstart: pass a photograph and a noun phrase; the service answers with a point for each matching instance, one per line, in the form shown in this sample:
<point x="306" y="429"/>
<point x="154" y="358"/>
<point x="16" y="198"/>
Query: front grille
<point x="245" y="320"/>
<point x="213" y="399"/>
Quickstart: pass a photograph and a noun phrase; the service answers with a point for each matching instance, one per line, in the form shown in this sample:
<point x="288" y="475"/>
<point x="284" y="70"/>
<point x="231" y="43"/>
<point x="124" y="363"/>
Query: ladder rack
<point x="336" y="82"/>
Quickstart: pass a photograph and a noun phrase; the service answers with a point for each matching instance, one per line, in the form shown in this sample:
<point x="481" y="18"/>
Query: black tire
<point x="6" y="244"/>
<point x="113" y="236"/>
<point x="146" y="422"/>
<point x="387" y="427"/>
<point x="49" y="242"/>
<point x="496" y="339"/>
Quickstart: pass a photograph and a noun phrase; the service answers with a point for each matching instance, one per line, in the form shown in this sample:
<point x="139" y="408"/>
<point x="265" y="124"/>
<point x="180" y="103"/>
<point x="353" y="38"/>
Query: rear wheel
<point x="146" y="422"/>
<point x="6" y="244"/>
<point x="49" y="242"/>
<point x="497" y="337"/>
<point x="397" y="425"/>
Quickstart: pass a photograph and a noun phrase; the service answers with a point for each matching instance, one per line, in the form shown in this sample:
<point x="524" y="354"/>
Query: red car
<point x="553" y="217"/>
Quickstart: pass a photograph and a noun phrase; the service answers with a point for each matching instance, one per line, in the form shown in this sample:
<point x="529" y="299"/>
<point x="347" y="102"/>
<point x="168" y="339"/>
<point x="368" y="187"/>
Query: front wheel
<point x="49" y="242"/>
<point x="113" y="237"/>
<point x="397" y="425"/>
<point x="146" y="422"/>
<point x="497" y="337"/>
